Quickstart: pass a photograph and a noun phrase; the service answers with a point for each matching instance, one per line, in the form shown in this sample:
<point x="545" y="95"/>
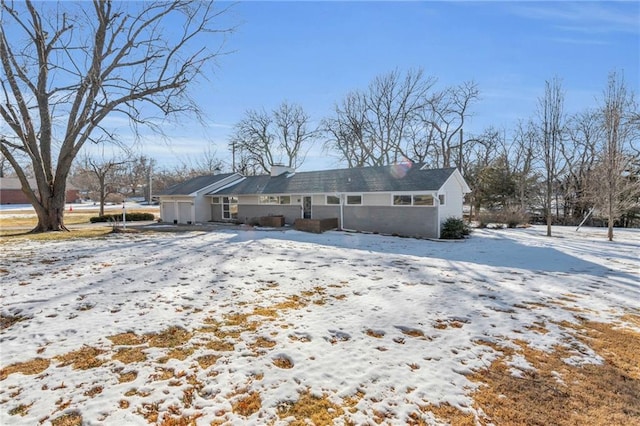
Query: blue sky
<point x="314" y="53"/>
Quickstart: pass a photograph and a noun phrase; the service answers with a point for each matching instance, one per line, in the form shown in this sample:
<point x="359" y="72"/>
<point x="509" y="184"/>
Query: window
<point x="354" y="199"/>
<point x="268" y="199"/>
<point x="423" y="200"/>
<point x="229" y="207"/>
<point x="332" y="199"/>
<point x="215" y="200"/>
<point x="413" y="200"/>
<point x="402" y="200"/>
<point x="274" y="199"/>
<point x="441" y="199"/>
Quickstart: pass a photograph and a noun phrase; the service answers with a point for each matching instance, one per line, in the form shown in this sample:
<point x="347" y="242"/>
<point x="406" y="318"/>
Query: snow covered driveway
<point x="241" y="326"/>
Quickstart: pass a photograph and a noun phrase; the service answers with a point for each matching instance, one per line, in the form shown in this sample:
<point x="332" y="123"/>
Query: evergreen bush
<point x="130" y="217"/>
<point x="454" y="229"/>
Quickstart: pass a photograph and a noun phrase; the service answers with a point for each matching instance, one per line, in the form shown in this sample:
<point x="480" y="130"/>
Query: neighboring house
<point x="11" y="191"/>
<point x="401" y="199"/>
<point x="186" y="202"/>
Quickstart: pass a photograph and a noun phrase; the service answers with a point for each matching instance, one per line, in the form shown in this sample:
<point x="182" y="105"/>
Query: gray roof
<point x="193" y="185"/>
<point x="362" y="179"/>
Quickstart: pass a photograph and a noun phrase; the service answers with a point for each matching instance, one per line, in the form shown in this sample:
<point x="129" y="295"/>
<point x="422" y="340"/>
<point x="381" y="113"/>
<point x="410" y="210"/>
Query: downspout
<point x="436" y="200"/>
<point x="341" y="198"/>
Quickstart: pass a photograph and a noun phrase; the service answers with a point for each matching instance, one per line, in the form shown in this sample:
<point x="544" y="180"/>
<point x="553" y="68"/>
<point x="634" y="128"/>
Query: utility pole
<point x="150" y="179"/>
<point x="460" y="151"/>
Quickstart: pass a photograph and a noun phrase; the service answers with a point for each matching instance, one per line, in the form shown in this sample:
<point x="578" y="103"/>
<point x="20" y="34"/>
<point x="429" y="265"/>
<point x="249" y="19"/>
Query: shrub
<point x="516" y="218"/>
<point x="501" y="219"/>
<point x="454" y="229"/>
<point x="130" y="217"/>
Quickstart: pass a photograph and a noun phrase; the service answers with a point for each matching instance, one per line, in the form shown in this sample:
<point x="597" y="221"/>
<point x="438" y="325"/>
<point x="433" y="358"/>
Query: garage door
<point x="184" y="213"/>
<point x="168" y="211"/>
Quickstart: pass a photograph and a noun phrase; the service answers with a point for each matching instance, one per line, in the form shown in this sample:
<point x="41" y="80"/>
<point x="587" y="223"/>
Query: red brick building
<point x="11" y="192"/>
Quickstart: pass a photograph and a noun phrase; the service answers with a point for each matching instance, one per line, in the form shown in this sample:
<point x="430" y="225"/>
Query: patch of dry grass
<point x="220" y="345"/>
<point x="162" y="373"/>
<point x="206" y="361"/>
<point x="171" y="337"/>
<point x="261" y="342"/>
<point x="127" y="339"/>
<point x="128" y="376"/>
<point x="68" y="419"/>
<point x="9" y="236"/>
<point x="265" y="312"/>
<point x="129" y="355"/>
<point x="20" y="410"/>
<point x="558" y="393"/>
<point x="283" y="361"/>
<point x="411" y="332"/>
<point x="34" y="366"/>
<point x="7" y="321"/>
<point x="180" y="353"/>
<point x="247" y="403"/>
<point x="293" y="302"/>
<point x="444" y="324"/>
<point x="308" y="407"/>
<point x="81" y="359"/>
<point x="378" y="334"/>
<point x="96" y="390"/>
<point x="446" y="411"/>
<point x="168" y="420"/>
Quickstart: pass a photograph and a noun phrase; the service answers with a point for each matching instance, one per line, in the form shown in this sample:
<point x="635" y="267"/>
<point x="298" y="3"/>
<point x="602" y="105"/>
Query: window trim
<point x="354" y="204"/>
<point x="227" y="213"/>
<point x="413" y="197"/>
<point x="274" y="200"/>
<point x="394" y="196"/>
<point x="433" y="200"/>
<point x="337" y="197"/>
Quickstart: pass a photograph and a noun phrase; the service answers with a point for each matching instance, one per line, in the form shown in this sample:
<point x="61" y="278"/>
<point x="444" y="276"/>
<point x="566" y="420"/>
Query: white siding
<point x="454" y="196"/>
<point x="377" y="199"/>
<point x="248" y="199"/>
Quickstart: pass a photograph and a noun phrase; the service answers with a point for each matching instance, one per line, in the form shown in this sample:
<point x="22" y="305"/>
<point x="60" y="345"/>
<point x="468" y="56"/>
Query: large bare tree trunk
<point x="51" y="214"/>
<point x="64" y="68"/>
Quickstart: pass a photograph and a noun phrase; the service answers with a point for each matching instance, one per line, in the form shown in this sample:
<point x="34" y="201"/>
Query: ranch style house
<point x="402" y="199"/>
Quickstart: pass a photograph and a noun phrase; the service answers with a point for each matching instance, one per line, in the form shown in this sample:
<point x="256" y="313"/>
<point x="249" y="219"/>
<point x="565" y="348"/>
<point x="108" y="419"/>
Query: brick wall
<point x="316" y="225"/>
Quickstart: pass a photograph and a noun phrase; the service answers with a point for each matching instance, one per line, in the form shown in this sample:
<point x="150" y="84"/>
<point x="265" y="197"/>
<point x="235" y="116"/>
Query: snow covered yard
<point x="271" y="327"/>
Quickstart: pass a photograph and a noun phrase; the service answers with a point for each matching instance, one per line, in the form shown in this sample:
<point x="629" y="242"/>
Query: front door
<point x="306" y="207"/>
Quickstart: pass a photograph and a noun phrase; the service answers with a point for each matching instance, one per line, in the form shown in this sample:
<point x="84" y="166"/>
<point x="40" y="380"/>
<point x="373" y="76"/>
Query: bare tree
<point x="346" y="132"/>
<point x="551" y="128"/>
<point x="66" y="67"/>
<point x="522" y="153"/>
<point x="206" y="162"/>
<point x="137" y="174"/>
<point x="101" y="177"/>
<point x="264" y="139"/>
<point x="445" y="115"/>
<point x="373" y="127"/>
<point x="579" y="150"/>
<point x="614" y="188"/>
